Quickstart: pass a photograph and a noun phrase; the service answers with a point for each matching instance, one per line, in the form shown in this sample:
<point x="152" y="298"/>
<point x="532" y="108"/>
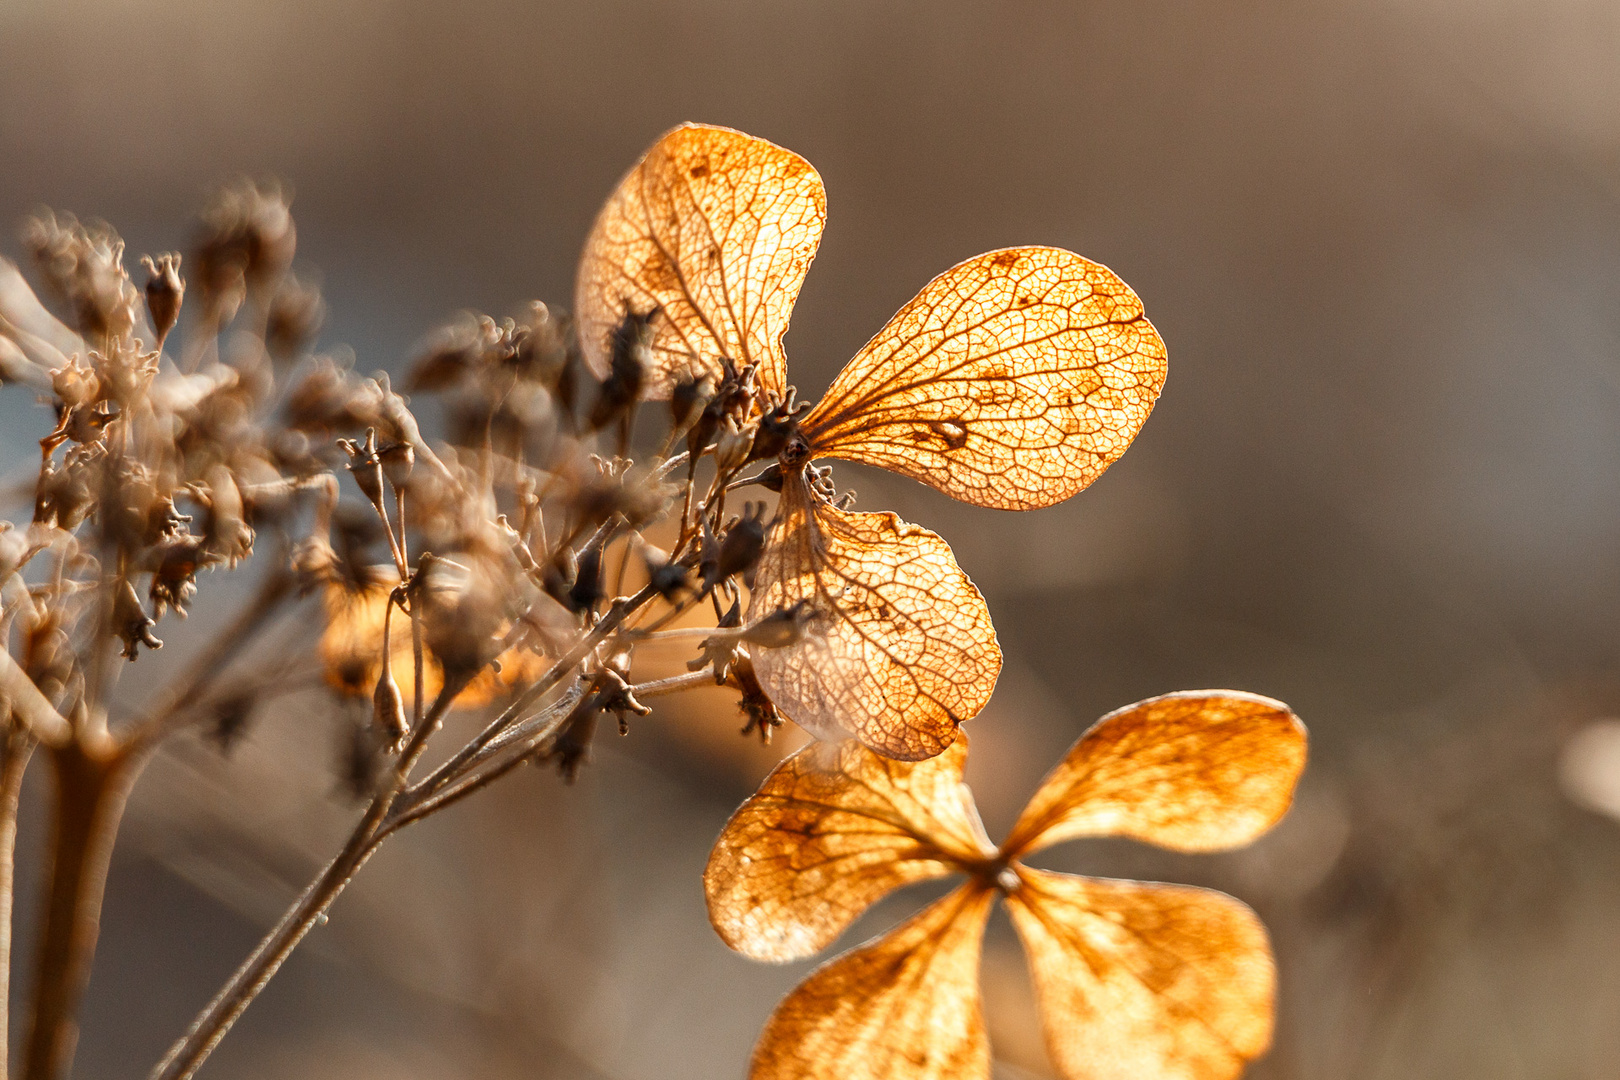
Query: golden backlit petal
<point x="901" y="649"/>
<point x="351" y="651"/>
<point x="833" y="830"/>
<point x="1012" y="380"/>
<point x="904" y="1007"/>
<point x="714" y="230"/>
<point x="1200" y="770"/>
<point x="1144" y="982"/>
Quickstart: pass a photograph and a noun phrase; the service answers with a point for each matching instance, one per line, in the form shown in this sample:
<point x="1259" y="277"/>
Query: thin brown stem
<point x="604" y="626"/>
<point x="192" y="1049"/>
<point x="673" y="684"/>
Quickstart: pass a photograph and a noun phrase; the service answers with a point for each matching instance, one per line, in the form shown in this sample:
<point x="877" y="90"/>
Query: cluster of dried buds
<point x="559" y="527"/>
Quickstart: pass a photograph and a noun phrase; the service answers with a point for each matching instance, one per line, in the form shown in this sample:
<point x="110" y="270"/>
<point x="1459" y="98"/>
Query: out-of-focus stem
<point x="92" y="787"/>
<point x="18" y="749"/>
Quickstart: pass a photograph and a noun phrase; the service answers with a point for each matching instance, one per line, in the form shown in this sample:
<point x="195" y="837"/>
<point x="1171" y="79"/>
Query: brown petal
<point x="714" y="230"/>
<point x="1199" y="770"/>
<point x="833" y="830"/>
<point x="1144" y="982"/>
<point x="904" y="1007"/>
<point x="901" y="649"/>
<point x="1012" y="380"/>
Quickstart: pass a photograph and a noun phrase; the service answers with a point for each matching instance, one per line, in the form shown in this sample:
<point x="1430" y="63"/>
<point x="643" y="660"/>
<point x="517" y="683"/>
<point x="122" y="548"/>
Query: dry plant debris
<point x="1136" y="981"/>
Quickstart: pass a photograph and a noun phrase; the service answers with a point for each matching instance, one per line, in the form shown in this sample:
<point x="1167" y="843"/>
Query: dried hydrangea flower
<point x="1012" y="380"/>
<point x="1136" y="981"/>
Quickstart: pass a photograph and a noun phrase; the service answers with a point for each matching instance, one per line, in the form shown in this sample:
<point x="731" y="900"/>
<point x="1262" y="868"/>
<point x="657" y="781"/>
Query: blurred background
<point x="1383" y="484"/>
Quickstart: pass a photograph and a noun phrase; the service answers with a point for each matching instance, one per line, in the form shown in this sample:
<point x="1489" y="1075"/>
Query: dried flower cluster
<point x="519" y="562"/>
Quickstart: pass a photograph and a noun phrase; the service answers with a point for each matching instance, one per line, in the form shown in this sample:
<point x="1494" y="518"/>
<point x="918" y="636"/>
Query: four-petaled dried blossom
<point x="1012" y="381"/>
<point x="1136" y="981"/>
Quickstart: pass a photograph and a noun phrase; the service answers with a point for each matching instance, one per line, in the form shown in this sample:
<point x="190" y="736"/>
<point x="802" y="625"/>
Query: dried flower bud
<point x="64" y="496"/>
<point x="229" y="722"/>
<point x="542" y="342"/>
<point x="743" y="544"/>
<point x="227" y="536"/>
<point x="247" y="239"/>
<point x="463" y="613"/>
<point x="174" y="578"/>
<point x="629" y="359"/>
<point x="364" y="465"/>
<point x="331" y="398"/>
<point x="132" y="623"/>
<point x="721" y="650"/>
<point x="363" y="759"/>
<point x="165" y="290"/>
<point x="453" y="352"/>
<point x="388" y="707"/>
<point x="75" y="383"/>
<point x="732" y="446"/>
<point x="762" y="713"/>
<point x="688" y="397"/>
<point x="586" y="591"/>
<point x="83" y="264"/>
<point x="781" y="628"/>
<point x="295" y="317"/>
<point x="572" y="747"/>
<point x="778" y="426"/>
<point x="397" y="460"/>
<point x="667" y="576"/>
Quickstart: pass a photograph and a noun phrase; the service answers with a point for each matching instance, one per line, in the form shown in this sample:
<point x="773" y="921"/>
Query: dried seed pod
<point x="763" y="716"/>
<point x="777" y="427"/>
<point x="388" y="707"/>
<point x="364" y="465"/>
<point x="688" y="398"/>
<point x="397" y="460"/>
<point x="165" y="291"/>
<point x="629" y="358"/>
<point x="732" y="446"/>
<point x="132" y="623"/>
<point x="247" y="239"/>
<point x="586" y="592"/>
<point x="76" y="383"/>
<point x="295" y="317"/>
<point x="781" y="628"/>
<point x="667" y="576"/>
<point x="743" y="544"/>
<point x="174" y="578"/>
<point x="83" y="265"/>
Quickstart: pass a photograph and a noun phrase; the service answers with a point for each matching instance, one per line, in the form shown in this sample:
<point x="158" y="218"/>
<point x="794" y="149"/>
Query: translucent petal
<point x="714" y="230"/>
<point x="1012" y="380"/>
<point x="1200" y="770"/>
<point x="1144" y="982"/>
<point x="904" y="1007"/>
<point x="901" y="649"/>
<point x="833" y="830"/>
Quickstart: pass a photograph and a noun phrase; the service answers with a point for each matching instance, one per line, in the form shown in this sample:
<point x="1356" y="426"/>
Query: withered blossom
<point x="1136" y="981"/>
<point x="1012" y="381"/>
